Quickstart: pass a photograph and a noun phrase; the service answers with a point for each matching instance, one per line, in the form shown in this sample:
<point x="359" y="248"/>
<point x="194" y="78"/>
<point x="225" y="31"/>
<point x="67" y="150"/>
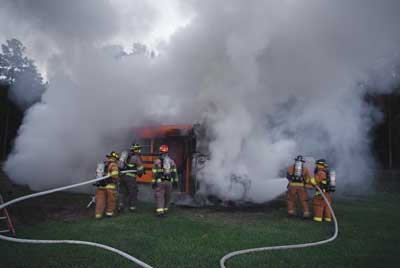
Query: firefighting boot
<point x="160" y="215"/>
<point x="291" y="213"/>
<point x="306" y="215"/>
<point x="109" y="214"/>
<point x="132" y="208"/>
<point x="160" y="212"/>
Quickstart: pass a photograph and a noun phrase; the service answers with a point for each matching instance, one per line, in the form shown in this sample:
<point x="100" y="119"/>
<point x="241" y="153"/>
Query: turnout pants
<point x="128" y="190"/>
<point x="105" y="199"/>
<point x="162" y="195"/>
<point x="292" y="193"/>
<point x="321" y="209"/>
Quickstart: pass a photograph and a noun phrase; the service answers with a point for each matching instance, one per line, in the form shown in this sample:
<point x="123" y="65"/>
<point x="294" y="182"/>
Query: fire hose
<point x="305" y="245"/>
<point x="77" y="242"/>
<point x="137" y="261"/>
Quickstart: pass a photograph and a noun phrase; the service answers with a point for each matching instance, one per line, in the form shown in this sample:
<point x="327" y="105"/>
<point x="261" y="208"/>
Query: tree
<point x="21" y="74"/>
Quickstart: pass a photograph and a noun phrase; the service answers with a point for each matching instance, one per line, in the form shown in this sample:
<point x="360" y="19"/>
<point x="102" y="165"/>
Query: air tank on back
<point x="122" y="159"/>
<point x="332" y="183"/>
<point x="100" y="170"/>
<point x="298" y="169"/>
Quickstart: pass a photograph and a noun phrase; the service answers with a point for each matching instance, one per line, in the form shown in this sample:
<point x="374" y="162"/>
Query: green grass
<point x="369" y="236"/>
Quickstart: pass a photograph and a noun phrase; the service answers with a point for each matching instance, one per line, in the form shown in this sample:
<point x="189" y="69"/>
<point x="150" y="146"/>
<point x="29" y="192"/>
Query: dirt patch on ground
<point x="58" y="206"/>
<point x="70" y="206"/>
<point x="55" y="207"/>
<point x="234" y="213"/>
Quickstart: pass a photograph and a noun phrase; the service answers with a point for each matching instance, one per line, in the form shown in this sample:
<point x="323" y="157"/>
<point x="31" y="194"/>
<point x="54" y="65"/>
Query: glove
<point x="175" y="185"/>
<point x="154" y="185"/>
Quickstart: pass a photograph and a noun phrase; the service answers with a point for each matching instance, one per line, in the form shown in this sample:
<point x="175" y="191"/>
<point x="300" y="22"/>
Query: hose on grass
<point x="77" y="242"/>
<point x="137" y="261"/>
<point x="305" y="245"/>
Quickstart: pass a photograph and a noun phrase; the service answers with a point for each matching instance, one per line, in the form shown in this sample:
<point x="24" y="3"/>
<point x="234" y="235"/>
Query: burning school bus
<point x="188" y="146"/>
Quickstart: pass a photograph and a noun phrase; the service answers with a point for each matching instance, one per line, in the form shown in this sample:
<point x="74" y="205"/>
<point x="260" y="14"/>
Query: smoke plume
<point x="272" y="79"/>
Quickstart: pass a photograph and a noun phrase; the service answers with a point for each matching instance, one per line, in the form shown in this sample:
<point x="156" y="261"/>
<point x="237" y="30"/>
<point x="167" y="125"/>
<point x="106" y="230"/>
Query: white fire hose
<point x="137" y="261"/>
<point x="35" y="241"/>
<point x="312" y="244"/>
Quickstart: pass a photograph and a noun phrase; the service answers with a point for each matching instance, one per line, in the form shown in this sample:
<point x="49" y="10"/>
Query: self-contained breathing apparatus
<point x="122" y="161"/>
<point x="330" y="184"/>
<point x="101" y="171"/>
<point x="166" y="164"/>
<point x="124" y="164"/>
<point x="297" y="175"/>
<point x="332" y="181"/>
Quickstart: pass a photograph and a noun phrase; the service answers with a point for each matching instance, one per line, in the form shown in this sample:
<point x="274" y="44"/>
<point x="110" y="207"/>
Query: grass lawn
<point x="369" y="236"/>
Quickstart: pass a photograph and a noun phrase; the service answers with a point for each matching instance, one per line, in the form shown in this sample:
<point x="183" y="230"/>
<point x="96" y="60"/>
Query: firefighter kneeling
<point x="297" y="175"/>
<point x="326" y="181"/>
<point x="164" y="178"/>
<point x="106" y="189"/>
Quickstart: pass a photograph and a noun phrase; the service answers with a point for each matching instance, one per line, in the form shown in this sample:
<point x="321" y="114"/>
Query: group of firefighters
<point x="300" y="179"/>
<point x="165" y="178"/>
<point x="124" y="184"/>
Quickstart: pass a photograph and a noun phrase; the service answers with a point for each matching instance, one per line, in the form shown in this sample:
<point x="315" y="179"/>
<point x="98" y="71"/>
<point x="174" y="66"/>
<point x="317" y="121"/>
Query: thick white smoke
<point x="272" y="79"/>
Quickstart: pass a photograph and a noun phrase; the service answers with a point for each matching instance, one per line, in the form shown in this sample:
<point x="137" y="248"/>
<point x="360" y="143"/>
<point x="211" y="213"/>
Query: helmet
<point x="135" y="147"/>
<point x="299" y="158"/>
<point x="113" y="155"/>
<point x="321" y="162"/>
<point x="163" y="148"/>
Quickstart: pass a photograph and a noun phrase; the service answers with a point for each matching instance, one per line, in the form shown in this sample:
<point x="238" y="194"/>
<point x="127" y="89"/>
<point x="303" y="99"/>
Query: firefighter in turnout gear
<point x="164" y="178"/>
<point x="128" y="186"/>
<point x="322" y="178"/>
<point x="298" y="175"/>
<point x="106" y="189"/>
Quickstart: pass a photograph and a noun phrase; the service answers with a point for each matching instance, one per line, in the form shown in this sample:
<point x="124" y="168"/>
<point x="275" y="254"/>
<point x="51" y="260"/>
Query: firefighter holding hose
<point x="326" y="180"/>
<point x="106" y="188"/>
<point x="164" y="178"/>
<point x="297" y="175"/>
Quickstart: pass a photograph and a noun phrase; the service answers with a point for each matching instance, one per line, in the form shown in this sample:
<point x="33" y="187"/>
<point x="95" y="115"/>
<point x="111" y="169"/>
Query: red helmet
<point x="163" y="148"/>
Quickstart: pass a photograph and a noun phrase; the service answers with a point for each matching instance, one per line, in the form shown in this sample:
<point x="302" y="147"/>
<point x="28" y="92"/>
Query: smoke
<point x="272" y="79"/>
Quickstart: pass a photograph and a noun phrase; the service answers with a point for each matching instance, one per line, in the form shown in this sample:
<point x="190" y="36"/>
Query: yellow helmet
<point x="135" y="148"/>
<point x="321" y="162"/>
<point x="113" y="155"/>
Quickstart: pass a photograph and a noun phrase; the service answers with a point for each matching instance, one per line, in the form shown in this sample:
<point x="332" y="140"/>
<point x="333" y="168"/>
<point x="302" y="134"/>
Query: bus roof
<point x="162" y="131"/>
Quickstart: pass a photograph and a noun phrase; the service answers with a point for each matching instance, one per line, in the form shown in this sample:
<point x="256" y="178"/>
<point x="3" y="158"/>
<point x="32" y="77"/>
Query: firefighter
<point x="164" y="178"/>
<point x="128" y="186"/>
<point x="298" y="175"/>
<point x="106" y="189"/>
<point x="322" y="179"/>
